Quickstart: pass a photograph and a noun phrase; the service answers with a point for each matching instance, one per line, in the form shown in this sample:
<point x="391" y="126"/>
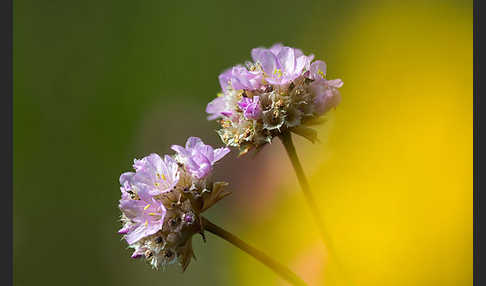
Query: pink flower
<point x="317" y="70"/>
<point x="162" y="200"/>
<point x="146" y="214"/>
<point x="218" y="107"/>
<point x="281" y="64"/>
<point x="160" y="175"/>
<point x="198" y="157"/>
<point x="251" y="107"/>
<point x="242" y="78"/>
<point x="326" y="95"/>
<point x="225" y="79"/>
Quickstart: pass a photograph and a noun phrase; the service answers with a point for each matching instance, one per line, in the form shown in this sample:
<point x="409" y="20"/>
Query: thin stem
<point x="304" y="184"/>
<point x="278" y="268"/>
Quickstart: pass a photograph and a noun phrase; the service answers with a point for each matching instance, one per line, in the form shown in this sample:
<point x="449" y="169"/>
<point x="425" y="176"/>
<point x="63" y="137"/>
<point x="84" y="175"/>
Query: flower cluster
<point x="162" y="200"/>
<point x="282" y="90"/>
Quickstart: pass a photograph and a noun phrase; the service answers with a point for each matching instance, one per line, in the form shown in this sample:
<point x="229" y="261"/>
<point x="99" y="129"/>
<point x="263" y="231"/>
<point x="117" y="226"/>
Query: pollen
<point x="160" y="176"/>
<point x="146" y="207"/>
<point x="277" y="72"/>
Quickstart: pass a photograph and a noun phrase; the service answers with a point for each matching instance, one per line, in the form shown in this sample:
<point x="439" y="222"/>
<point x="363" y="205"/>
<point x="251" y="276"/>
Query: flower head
<point x="162" y="200"/>
<point x="282" y="90"/>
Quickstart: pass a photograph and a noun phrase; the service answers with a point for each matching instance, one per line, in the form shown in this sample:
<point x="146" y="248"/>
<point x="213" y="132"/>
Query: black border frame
<point x="477" y="155"/>
<point x="6" y="65"/>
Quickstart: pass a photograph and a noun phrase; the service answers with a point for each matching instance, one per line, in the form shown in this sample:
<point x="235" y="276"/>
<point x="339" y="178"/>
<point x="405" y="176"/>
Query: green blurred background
<point x="98" y="83"/>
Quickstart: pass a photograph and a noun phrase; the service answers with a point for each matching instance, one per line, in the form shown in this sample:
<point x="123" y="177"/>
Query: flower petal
<point x="192" y="142"/>
<point x="286" y="58"/>
<point x="268" y="61"/>
<point x="220" y="153"/>
<point x="216" y="107"/>
<point x="318" y="70"/>
<point x="337" y="83"/>
<point x="224" y="79"/>
<point x="126" y="177"/>
<point x="275" y="49"/>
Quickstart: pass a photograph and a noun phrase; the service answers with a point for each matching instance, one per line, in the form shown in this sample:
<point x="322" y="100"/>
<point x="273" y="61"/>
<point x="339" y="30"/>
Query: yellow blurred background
<point x="98" y="83"/>
<point x="394" y="176"/>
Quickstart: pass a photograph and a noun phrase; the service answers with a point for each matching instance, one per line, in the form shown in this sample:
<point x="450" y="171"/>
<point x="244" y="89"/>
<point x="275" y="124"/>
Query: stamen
<point x="146" y="207"/>
<point x="277" y="72"/>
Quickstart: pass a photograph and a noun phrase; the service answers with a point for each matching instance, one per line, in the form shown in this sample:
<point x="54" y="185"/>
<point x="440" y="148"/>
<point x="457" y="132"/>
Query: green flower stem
<point x="304" y="184"/>
<point x="278" y="268"/>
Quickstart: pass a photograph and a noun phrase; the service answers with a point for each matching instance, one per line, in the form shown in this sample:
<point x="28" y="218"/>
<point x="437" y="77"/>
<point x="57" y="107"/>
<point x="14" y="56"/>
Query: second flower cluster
<point x="282" y="90"/>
